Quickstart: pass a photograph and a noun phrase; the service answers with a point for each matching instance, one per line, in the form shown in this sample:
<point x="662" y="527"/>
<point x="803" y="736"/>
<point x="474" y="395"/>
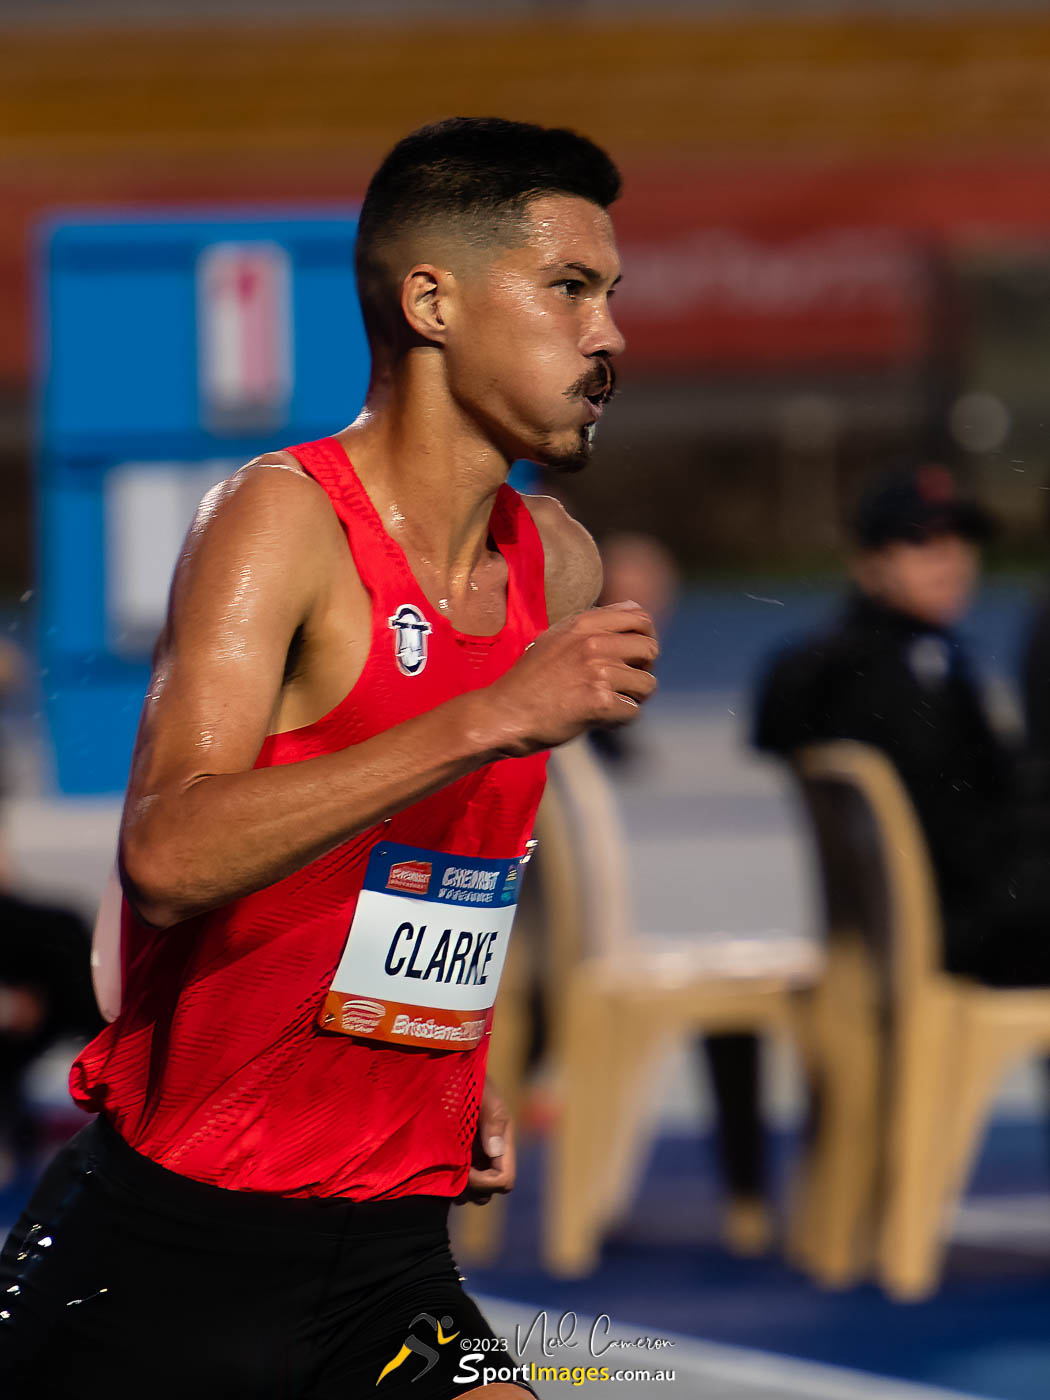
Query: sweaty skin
<point x="269" y="625"/>
<point x="201" y="827"/>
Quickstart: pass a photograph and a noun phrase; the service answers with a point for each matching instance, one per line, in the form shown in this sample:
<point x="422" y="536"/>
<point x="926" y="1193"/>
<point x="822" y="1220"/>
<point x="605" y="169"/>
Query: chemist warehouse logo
<point x="411" y="875"/>
<point x="413" y="1346"/>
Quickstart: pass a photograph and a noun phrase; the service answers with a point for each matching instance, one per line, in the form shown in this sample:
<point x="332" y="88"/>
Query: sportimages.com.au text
<point x="478" y="1369"/>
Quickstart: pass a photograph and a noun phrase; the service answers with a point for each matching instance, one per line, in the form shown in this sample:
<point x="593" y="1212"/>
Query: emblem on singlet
<point x="410" y="639"/>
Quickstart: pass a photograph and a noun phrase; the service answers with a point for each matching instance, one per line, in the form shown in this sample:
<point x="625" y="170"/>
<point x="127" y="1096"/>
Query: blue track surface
<point x="987" y="1332"/>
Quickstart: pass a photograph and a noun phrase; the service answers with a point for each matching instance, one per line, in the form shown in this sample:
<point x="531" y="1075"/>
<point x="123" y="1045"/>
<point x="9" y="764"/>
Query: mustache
<point x="597" y="383"/>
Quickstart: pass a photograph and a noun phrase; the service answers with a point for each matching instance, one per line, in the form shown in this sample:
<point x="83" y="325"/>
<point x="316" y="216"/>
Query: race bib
<point x="425" y="950"/>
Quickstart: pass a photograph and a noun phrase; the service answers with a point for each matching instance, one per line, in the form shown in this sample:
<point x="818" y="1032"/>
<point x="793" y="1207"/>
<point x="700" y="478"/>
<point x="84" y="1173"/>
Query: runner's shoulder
<point x="269" y="493"/>
<point x="269" y="521"/>
<point x="572" y="565"/>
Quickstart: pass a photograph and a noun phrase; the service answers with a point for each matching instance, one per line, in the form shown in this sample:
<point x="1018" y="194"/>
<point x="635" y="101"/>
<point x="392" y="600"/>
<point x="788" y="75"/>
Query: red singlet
<point x="215" y="1067"/>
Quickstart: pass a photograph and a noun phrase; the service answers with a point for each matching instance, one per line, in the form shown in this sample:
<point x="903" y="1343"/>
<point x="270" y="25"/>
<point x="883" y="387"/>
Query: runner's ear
<point x="424" y="297"/>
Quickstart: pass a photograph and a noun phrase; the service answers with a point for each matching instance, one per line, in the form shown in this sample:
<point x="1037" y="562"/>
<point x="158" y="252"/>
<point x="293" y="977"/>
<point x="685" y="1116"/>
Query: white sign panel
<point x="245" y="346"/>
<point x="149" y="507"/>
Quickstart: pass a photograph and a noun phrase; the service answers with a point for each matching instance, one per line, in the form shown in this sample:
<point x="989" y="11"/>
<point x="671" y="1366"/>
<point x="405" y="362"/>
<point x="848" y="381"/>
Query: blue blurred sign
<point x="173" y="349"/>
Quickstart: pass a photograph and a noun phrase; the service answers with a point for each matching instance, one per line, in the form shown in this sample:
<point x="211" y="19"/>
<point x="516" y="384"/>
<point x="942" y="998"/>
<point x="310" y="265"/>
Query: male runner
<point x="362" y="668"/>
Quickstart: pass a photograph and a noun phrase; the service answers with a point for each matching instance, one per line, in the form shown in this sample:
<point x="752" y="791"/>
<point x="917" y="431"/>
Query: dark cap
<point x="916" y="504"/>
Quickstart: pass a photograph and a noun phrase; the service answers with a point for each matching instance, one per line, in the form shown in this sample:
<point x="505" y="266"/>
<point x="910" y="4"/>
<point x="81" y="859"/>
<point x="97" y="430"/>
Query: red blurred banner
<point x="727" y="298"/>
<point x="810" y="265"/>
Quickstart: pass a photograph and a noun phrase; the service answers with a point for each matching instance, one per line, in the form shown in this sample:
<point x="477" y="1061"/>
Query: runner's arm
<point x="572" y="573"/>
<point x="201" y="826"/>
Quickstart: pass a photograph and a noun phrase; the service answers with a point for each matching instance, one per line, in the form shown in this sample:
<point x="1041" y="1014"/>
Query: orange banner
<point x="401" y="1024"/>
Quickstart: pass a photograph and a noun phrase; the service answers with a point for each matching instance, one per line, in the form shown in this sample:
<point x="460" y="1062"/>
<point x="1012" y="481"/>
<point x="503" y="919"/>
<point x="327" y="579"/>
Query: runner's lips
<point x="596" y="402"/>
<point x="600" y="396"/>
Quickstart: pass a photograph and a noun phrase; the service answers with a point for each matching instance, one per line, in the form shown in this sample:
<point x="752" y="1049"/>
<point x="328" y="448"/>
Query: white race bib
<point x="425" y="951"/>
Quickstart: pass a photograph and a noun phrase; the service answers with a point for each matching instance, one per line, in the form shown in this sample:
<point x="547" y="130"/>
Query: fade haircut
<point x="474" y="176"/>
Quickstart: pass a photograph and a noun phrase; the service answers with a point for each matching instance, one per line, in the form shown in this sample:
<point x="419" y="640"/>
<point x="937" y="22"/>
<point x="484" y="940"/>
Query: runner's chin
<point x="572" y="455"/>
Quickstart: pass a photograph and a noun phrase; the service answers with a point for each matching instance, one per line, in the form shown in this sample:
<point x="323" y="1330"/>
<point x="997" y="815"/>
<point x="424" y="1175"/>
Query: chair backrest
<point x="874" y="862"/>
<point x="583" y="856"/>
<point x="106" y="965"/>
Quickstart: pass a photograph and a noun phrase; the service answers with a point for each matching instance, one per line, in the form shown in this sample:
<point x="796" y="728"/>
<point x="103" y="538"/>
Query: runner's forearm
<point x="222" y="836"/>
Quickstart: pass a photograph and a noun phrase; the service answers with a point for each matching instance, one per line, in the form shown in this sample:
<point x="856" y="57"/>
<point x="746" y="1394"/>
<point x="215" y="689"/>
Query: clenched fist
<point x="592" y="670"/>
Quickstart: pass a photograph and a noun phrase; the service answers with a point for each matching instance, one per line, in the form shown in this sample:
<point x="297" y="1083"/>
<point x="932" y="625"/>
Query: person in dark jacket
<point x="45" y="996"/>
<point x="1035" y="697"/>
<point x="892" y="673"/>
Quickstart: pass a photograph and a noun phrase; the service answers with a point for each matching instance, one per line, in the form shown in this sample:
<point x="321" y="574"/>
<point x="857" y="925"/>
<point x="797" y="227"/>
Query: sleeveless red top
<point x="216" y="1067"/>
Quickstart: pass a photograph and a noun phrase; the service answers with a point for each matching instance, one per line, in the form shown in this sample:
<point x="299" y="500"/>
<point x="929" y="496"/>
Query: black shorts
<point x="123" y="1279"/>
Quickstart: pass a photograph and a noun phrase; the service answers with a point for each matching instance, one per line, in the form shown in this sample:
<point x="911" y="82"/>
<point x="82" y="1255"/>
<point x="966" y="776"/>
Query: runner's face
<point x="536" y="335"/>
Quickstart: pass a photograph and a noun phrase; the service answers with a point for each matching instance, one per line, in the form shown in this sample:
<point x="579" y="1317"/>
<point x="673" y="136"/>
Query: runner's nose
<point x="604" y="335"/>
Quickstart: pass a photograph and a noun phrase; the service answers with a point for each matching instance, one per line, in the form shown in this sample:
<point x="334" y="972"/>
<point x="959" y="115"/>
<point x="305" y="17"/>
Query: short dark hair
<point x="478" y="171"/>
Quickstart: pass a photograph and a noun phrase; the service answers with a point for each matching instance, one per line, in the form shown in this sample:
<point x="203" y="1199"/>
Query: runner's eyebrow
<point x="590" y="274"/>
